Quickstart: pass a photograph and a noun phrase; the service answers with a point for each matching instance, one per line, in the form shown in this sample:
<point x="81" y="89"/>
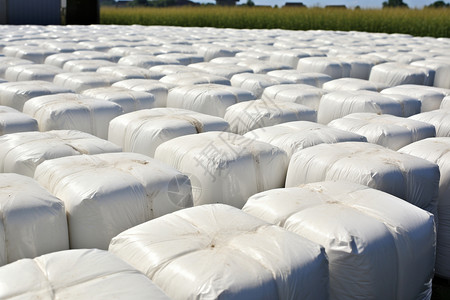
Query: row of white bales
<point x="307" y="140"/>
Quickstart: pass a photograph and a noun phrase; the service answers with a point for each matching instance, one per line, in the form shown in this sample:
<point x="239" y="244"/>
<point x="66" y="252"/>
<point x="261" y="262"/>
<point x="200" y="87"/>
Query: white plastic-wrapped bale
<point x="33" y="222"/>
<point x="95" y="46"/>
<point x="145" y="61"/>
<point x="211" y="99"/>
<point x="22" y="152"/>
<point x="223" y="70"/>
<point x="6" y="62"/>
<point x="441" y="69"/>
<point x="130" y="72"/>
<point x="58" y="60"/>
<point x="393" y="74"/>
<point x="225" y="167"/>
<point x="194" y="78"/>
<point x="338" y="104"/>
<point x="211" y="51"/>
<point x="246" y="116"/>
<point x="32" y="72"/>
<point x="182" y="58"/>
<point x="105" y="194"/>
<point x="256" y="83"/>
<point x="288" y="57"/>
<point x="326" y="65"/>
<point x="378" y="246"/>
<point x="304" y="94"/>
<point x="158" y="89"/>
<point x="439" y="118"/>
<point x="353" y="84"/>
<point x="259" y="55"/>
<point x="143" y="131"/>
<point x="386" y="130"/>
<point x="410" y="105"/>
<point x="35" y="54"/>
<point x="410" y="178"/>
<point x="314" y="79"/>
<point x="437" y="150"/>
<point x="217" y="251"/>
<point x="262" y="67"/>
<point x="80" y="81"/>
<point x="12" y="121"/>
<point x="359" y="67"/>
<point x="172" y="69"/>
<point x="86" y="65"/>
<point x="16" y="94"/>
<point x="76" y="274"/>
<point x="128" y="99"/>
<point x="295" y="136"/>
<point x="73" y="112"/>
<point x="86" y="54"/>
<point x="430" y="97"/>
<point x="445" y="104"/>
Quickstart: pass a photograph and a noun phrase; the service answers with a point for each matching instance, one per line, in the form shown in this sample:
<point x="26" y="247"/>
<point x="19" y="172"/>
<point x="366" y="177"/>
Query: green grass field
<point x="425" y="22"/>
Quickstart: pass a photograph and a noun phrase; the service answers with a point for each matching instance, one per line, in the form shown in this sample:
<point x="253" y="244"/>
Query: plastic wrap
<point x="410" y="178"/>
<point x="386" y="130"/>
<point x="143" y="131"/>
<point x="297" y="93"/>
<point x="216" y="251"/>
<point x="338" y="104"/>
<point x="353" y="84"/>
<point x="194" y="78"/>
<point x="440" y="118"/>
<point x="437" y="150"/>
<point x="130" y="72"/>
<point x="12" y="121"/>
<point x="158" y="89"/>
<point x="34" y="53"/>
<point x="105" y="194"/>
<point x="441" y="69"/>
<point x="223" y="70"/>
<point x="28" y="72"/>
<point x="246" y="116"/>
<point x="76" y="274"/>
<point x="314" y="79"/>
<point x="295" y="136"/>
<point x="86" y="65"/>
<point x="172" y="69"/>
<point x="262" y="67"/>
<point x="145" y="61"/>
<point x="32" y="221"/>
<point x="22" y="152"/>
<point x="393" y="74"/>
<point x="225" y="167"/>
<point x="15" y="94"/>
<point x="81" y="81"/>
<point x="288" y="57"/>
<point x="430" y="97"/>
<point x="129" y="100"/>
<point x="211" y="99"/>
<point x="378" y="246"/>
<point x="445" y="104"/>
<point x="182" y="58"/>
<point x="210" y="51"/>
<point x="256" y="83"/>
<point x="410" y="105"/>
<point x="58" y="60"/>
<point x="6" y="62"/>
<point x="326" y="65"/>
<point x="73" y="112"/>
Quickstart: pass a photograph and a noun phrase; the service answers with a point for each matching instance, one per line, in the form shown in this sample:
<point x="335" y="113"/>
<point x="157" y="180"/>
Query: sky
<point x="322" y="3"/>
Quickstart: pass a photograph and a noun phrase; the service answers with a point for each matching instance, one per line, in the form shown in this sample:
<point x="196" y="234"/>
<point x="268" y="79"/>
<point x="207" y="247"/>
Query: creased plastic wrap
<point x="225" y="167"/>
<point x="105" y="194"/>
<point x="73" y="112"/>
<point x="22" y="152"/>
<point x="378" y="246"/>
<point x="410" y="178"/>
<point x="393" y="74"/>
<point x="76" y="274"/>
<point x="246" y="116"/>
<point x="386" y="130"/>
<point x="217" y="251"/>
<point x="143" y="131"/>
<point x="437" y="150"/>
<point x="32" y="221"/>
<point x="440" y="118"/>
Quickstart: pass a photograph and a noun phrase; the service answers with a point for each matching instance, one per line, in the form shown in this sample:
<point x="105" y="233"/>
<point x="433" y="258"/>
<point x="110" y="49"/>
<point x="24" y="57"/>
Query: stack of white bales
<point x="15" y="94"/>
<point x="437" y="150"/>
<point x="73" y="112"/>
<point x="143" y="131"/>
<point x="22" y="152"/>
<point x="215" y="251"/>
<point x="211" y="99"/>
<point x="372" y="239"/>
<point x="246" y="116"/>
<point x="105" y="194"/>
<point x="386" y="130"/>
<point x="12" y="121"/>
<point x="410" y="178"/>
<point x="225" y="167"/>
<point x="32" y="221"/>
<point x="294" y="136"/>
<point x="76" y="274"/>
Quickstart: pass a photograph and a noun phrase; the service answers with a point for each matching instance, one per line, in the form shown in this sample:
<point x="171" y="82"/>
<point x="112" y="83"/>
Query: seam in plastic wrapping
<point x="44" y="273"/>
